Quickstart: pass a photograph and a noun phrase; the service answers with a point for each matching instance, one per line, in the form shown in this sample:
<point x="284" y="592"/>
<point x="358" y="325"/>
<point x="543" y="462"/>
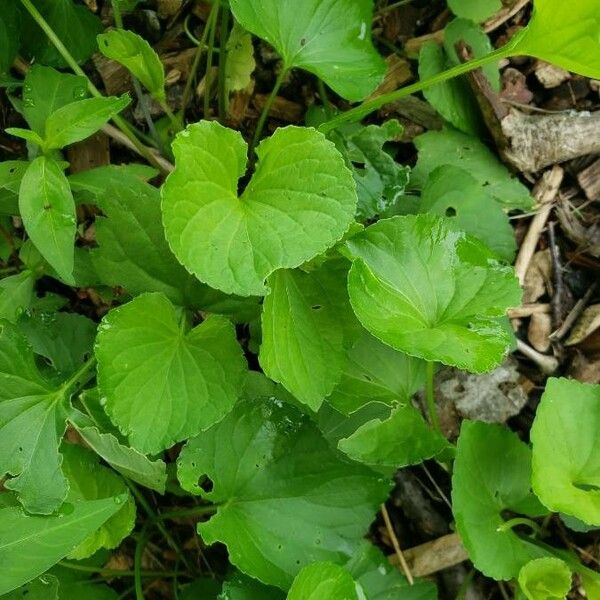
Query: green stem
<point x="511" y="523"/>
<point x="175" y="121"/>
<point x="117" y="14"/>
<point x="137" y="561"/>
<point x="109" y="573"/>
<point x="370" y="106"/>
<point x="209" y="59"/>
<point x="430" y="396"/>
<point x="80" y="377"/>
<point x="196" y="511"/>
<point x="324" y="99"/>
<point x="266" y="110"/>
<point x="68" y="58"/>
<point x="223" y="62"/>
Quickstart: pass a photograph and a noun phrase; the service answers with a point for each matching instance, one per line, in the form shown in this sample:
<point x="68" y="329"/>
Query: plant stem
<point x="137" y="561"/>
<point x="430" y="396"/>
<point x="370" y="106"/>
<point x="117" y="14"/>
<point x="115" y="572"/>
<point x="68" y="58"/>
<point x="324" y="99"/>
<point x="196" y="511"/>
<point x="80" y="377"/>
<point x="266" y="110"/>
<point x="209" y="58"/>
<point x="223" y="62"/>
<point x="519" y="521"/>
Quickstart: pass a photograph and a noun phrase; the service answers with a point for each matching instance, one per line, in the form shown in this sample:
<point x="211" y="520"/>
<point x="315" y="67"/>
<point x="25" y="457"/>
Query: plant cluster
<point x="316" y="270"/>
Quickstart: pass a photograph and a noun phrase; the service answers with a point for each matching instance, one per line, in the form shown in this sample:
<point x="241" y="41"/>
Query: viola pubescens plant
<point x="302" y="254"/>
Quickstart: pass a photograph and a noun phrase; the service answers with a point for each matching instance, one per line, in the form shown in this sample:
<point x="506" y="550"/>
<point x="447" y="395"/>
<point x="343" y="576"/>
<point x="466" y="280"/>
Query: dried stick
<point x="395" y="543"/>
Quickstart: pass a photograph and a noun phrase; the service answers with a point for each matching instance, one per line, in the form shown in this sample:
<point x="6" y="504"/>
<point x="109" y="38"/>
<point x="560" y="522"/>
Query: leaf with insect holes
<point x="137" y="56"/>
<point x="300" y="200"/>
<point x="286" y="499"/>
<point x="16" y="295"/>
<point x="564" y="35"/>
<point x="484" y="488"/>
<point x="48" y="211"/>
<point x="163" y="381"/>
<point x="240" y="60"/>
<point x="566" y="463"/>
<point x="11" y="173"/>
<point x="545" y="579"/>
<point x="323" y="581"/>
<point x="306" y="325"/>
<point x="432" y="292"/>
<point x="330" y="38"/>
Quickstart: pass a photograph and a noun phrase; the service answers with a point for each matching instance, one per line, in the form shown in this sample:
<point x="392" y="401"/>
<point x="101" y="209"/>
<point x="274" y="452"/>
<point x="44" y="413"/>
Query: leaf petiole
<point x="80" y="377"/>
<point x="511" y="523"/>
<point x="430" y="396"/>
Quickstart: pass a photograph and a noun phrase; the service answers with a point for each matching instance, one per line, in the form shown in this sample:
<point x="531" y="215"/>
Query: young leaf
<point x="483" y="488"/>
<point x="89" y="481"/>
<point x="475" y="10"/>
<point x="26" y="134"/>
<point x="330" y="38"/>
<point x="48" y="212"/>
<point x="135" y="54"/>
<point x="563" y="35"/>
<point x="401" y="440"/>
<point x="286" y="499"/>
<point x="455" y="193"/>
<point x="305" y="327"/>
<point x="450" y="147"/>
<point x="162" y="382"/>
<point x="16" y="295"/>
<point x="240" y="60"/>
<point x="323" y="581"/>
<point x="564" y="435"/>
<point x="11" y="173"/>
<point x="78" y="120"/>
<point x="299" y="202"/>
<point x="46" y="90"/>
<point x="74" y="25"/>
<point x="46" y="540"/>
<point x="545" y="579"/>
<point x="452" y="317"/>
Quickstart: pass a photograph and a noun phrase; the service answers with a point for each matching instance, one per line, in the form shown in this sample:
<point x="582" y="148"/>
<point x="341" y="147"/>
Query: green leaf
<point x="41" y="588"/>
<point x="374" y="372"/>
<point x="285" y="498"/>
<point x="450" y="147"/>
<point x="137" y="56"/>
<point x="78" y="120"/>
<point x="323" y="581"/>
<point x="432" y="292"/>
<point x="46" y="540"/>
<point x="16" y="295"/>
<point x="89" y="481"/>
<point x="127" y="461"/>
<point x="240" y="60"/>
<point x="164" y="382"/>
<point x="475" y="10"/>
<point x="483" y="488"/>
<point x="11" y="173"/>
<point x="25" y="134"/>
<point x="238" y="586"/>
<point x="564" y="435"/>
<point x="330" y="38"/>
<point x="74" y="24"/>
<point x="545" y="578"/>
<point x="563" y="35"/>
<point x="455" y="193"/>
<point x="32" y="423"/>
<point x="76" y="585"/>
<point x="10" y="25"/>
<point x="46" y="90"/>
<point x="299" y="202"/>
<point x="48" y="212"/>
<point x="305" y="324"/>
<point x="402" y="439"/>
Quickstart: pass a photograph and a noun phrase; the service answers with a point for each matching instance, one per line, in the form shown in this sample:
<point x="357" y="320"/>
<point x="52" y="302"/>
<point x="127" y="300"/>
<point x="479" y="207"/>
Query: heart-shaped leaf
<point x="430" y="291"/>
<point x="545" y="579"/>
<point x="566" y="463"/>
<point x="323" y="581"/>
<point x="299" y="202"/>
<point x="162" y="382"/>
<point x="330" y="38"/>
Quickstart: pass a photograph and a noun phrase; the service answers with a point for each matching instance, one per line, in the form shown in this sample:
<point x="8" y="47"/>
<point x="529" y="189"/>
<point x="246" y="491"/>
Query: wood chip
<point x="550" y="76"/>
<point x="588" y="323"/>
<point x="538" y="277"/>
<point x="538" y="332"/>
<point x="90" y="153"/>
<point x="589" y="180"/>
<point x="283" y="109"/>
<point x="397" y="74"/>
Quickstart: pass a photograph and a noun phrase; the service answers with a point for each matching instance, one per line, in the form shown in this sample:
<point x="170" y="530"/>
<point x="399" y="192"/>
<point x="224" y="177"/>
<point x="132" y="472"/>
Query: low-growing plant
<point x="300" y="255"/>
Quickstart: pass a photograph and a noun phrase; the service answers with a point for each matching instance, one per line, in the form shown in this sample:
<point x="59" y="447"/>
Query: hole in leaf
<point x="12" y="170"/>
<point x="451" y="211"/>
<point x="205" y="483"/>
<point x="317" y="307"/>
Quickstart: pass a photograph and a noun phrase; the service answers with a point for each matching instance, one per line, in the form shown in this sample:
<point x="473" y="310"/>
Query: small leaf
<point x="450" y="147"/>
<point x="78" y="120"/>
<point x="135" y="54"/>
<point x="451" y="317"/>
<point x="299" y="202"/>
<point x="330" y="38"/>
<point x="11" y="173"/>
<point x="475" y="10"/>
<point x="563" y="35"/>
<point x="545" y="578"/>
<point x="286" y="499"/>
<point x="48" y="212"/>
<point x="25" y="134"/>
<point x="305" y="326"/>
<point x="484" y="488"/>
<point x="89" y="481"/>
<point x="16" y="295"/>
<point x="564" y="435"/>
<point x="451" y="191"/>
<point x="46" y="540"/>
<point x="162" y="382"/>
<point x="324" y="581"/>
<point x="240" y="60"/>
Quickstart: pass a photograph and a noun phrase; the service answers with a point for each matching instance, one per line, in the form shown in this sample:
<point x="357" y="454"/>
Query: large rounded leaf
<point x="430" y="291"/>
<point x="162" y="383"/>
<point x="299" y="202"/>
<point x="566" y="460"/>
<point x="330" y="38"/>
